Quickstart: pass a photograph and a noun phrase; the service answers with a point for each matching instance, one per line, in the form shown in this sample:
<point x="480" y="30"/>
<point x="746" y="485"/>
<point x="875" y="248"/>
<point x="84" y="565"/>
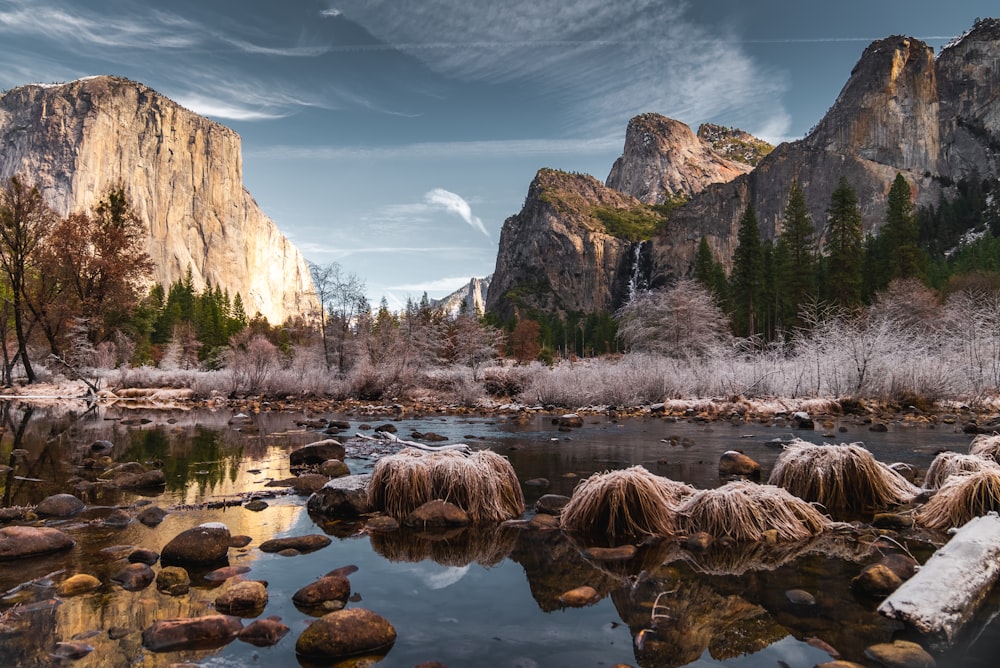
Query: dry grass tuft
<point x="947" y="464"/>
<point x="961" y="498"/>
<point x="482" y="484"/>
<point x="843" y="477"/>
<point x="747" y="512"/>
<point x="628" y="502"/>
<point x="987" y="446"/>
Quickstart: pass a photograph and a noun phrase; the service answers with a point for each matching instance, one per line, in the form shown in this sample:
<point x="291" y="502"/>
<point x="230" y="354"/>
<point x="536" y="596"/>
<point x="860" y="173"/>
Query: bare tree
<point x="341" y="297"/>
<point x="682" y="321"/>
<point x="25" y="221"/>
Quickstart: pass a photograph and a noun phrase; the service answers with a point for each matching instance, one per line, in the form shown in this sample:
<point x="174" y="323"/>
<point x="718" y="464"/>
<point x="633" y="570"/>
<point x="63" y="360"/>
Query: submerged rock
<point x="170" y="635"/>
<point x="173" y="581"/>
<point x="201" y="546"/>
<point x="81" y="583"/>
<point x="551" y="504"/>
<point x="579" y="597"/>
<point x="330" y="592"/>
<point x="900" y="654"/>
<point x="134" y="577"/>
<point x="735" y="463"/>
<point x="60" y="505"/>
<point x="243" y="599"/>
<point x="152" y="516"/>
<point x="314" y="454"/>
<point x="346" y="633"/>
<point x="264" y="632"/>
<point x="307" y="543"/>
<point x="436" y="514"/>
<point x="876" y="581"/>
<point x="347" y="496"/>
<point x="18" y="542"/>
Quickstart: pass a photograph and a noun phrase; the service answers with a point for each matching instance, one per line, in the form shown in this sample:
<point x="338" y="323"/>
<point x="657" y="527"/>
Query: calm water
<point x="484" y="597"/>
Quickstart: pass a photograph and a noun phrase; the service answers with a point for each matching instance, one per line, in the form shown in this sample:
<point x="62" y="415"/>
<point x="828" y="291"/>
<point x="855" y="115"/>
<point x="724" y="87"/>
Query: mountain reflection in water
<point x="483" y="596"/>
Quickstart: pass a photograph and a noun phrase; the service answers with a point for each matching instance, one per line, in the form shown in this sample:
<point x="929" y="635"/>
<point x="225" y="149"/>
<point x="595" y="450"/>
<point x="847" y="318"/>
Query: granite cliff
<point x="183" y="173"/>
<point x="933" y="120"/>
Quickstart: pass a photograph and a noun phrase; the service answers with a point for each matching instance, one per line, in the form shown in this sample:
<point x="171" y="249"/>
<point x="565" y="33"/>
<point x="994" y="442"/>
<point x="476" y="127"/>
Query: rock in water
<point x="201" y="546"/>
<point x="60" y="505"/>
<point x="346" y="633"/>
<point x="171" y="635"/>
<point x="18" y="542"/>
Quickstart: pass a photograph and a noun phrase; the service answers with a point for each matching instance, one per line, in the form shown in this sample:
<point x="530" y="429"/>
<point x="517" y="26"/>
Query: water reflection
<point x="472" y="596"/>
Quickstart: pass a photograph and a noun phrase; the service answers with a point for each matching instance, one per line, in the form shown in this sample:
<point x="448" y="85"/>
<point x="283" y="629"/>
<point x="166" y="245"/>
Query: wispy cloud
<point x="222" y="109"/>
<point x="453" y="203"/>
<point x="447" y="150"/>
<point x="449" y="284"/>
<point x="603" y="61"/>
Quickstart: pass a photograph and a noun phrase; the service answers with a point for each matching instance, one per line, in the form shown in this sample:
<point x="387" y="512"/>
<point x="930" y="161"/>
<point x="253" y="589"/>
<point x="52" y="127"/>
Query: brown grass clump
<point x="627" y="502"/>
<point x="961" y="498"/>
<point x="948" y="463"/>
<point x="843" y="477"/>
<point x="986" y="445"/>
<point x="482" y="484"/>
<point x="747" y="512"/>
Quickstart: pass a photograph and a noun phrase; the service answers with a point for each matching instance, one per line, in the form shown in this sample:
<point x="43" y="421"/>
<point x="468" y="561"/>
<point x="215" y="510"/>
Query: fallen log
<point x="945" y="593"/>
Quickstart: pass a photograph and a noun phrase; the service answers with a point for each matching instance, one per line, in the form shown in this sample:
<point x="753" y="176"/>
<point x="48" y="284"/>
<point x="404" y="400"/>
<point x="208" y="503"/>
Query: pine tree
<point x="795" y="260"/>
<point x="747" y="280"/>
<point x="709" y="272"/>
<point x="902" y="234"/>
<point x="844" y="247"/>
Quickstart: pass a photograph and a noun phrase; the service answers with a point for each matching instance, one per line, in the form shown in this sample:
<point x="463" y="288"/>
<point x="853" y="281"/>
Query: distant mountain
<point x="183" y="172"/>
<point x="935" y="121"/>
<point x="470" y="298"/>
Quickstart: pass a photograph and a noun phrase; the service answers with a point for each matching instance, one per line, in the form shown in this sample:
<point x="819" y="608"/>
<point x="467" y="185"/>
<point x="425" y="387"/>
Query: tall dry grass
<point x="482" y="484"/>
<point x="748" y="512"/>
<point x="948" y="464"/>
<point x="625" y="503"/>
<point x="961" y="498"/>
<point x="844" y="477"/>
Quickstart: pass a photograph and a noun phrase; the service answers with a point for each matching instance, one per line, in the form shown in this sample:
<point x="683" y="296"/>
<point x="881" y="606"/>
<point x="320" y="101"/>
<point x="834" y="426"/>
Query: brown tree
<point x="25" y="222"/>
<point x="524" y="341"/>
<point x="95" y="267"/>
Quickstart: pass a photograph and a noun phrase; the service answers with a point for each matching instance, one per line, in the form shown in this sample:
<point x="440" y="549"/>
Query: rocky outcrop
<point x="556" y="255"/>
<point x="470" y="298"/>
<point x="183" y="173"/>
<point x="664" y="160"/>
<point x="734" y="144"/>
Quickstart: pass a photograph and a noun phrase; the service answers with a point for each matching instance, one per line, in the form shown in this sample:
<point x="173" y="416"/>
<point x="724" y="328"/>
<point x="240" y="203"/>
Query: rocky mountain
<point x="470" y="298"/>
<point x="934" y="120"/>
<point x="734" y="144"/>
<point x="556" y="254"/>
<point x="663" y="159"/>
<point x="183" y="173"/>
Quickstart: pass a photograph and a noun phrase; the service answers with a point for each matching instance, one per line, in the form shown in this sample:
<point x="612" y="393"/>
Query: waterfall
<point x="637" y="281"/>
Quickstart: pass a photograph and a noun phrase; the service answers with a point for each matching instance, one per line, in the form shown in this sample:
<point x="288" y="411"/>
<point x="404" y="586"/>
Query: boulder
<point x="346" y="633"/>
<point x="170" y="635"/>
<point x="330" y="592"/>
<point x="134" y="577"/>
<point x="307" y="543"/>
<point x="876" y="581"/>
<point x="201" y="546"/>
<point x="347" y="496"/>
<point x="620" y="553"/>
<point x="334" y="468"/>
<point x="314" y="454"/>
<point x="569" y="420"/>
<point x="551" y="504"/>
<point x="17" y="542"/>
<point x="117" y="519"/>
<point x="122" y="470"/>
<point x="59" y="505"/>
<point x="144" y="480"/>
<point x="246" y="598"/>
<point x="579" y="597"/>
<point x="309" y="483"/>
<point x="437" y="514"/>
<point x="152" y="516"/>
<point x="735" y="463"/>
<point x="900" y="654"/>
<point x="264" y="632"/>
<point x="173" y="581"/>
<point x="81" y="583"/>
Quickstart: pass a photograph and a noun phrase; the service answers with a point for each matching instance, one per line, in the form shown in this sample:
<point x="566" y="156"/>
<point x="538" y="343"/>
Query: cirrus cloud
<point x="454" y="203"/>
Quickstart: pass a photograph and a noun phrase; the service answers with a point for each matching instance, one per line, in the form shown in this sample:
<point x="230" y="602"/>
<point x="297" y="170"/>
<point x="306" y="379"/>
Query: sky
<point x="394" y="137"/>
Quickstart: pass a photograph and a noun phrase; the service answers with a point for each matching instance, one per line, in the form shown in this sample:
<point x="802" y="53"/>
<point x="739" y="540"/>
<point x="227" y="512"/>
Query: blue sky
<point x="394" y="137"/>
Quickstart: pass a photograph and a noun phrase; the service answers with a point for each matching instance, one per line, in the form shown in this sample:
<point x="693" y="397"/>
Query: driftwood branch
<point x="392" y="438"/>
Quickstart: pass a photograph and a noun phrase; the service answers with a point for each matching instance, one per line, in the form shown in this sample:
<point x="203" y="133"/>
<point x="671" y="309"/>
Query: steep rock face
<point x="663" y="159"/>
<point x="554" y="255"/>
<point x="968" y="74"/>
<point x="183" y="172"/>
<point x="470" y="298"/>
<point x="885" y="121"/>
